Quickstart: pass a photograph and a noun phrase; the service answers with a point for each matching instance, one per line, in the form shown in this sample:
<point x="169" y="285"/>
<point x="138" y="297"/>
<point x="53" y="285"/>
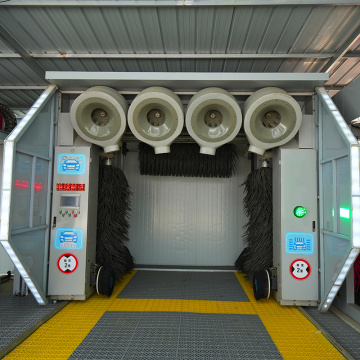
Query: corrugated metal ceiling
<point x="272" y="38"/>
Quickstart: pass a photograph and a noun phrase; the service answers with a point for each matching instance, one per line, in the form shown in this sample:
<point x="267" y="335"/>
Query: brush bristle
<point x="113" y="221"/>
<point x="186" y="160"/>
<point x="258" y="236"/>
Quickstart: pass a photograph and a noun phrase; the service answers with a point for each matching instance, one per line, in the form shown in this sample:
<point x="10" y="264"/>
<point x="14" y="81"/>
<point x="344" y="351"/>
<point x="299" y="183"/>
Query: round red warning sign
<point x="67" y="263"/>
<point x="300" y="269"/>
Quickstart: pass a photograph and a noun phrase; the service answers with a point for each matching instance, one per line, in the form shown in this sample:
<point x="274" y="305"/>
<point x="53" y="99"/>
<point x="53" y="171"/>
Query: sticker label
<point x="300" y="243"/>
<point x="67" y="263"/>
<point x="300" y="269"/>
<point x="71" y="164"/>
<point x="66" y="238"/>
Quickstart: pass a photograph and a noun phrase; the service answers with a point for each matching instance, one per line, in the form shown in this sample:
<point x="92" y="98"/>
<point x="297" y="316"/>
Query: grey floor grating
<point x="177" y="336"/>
<point x="217" y="286"/>
<point x="19" y="314"/>
<point x="339" y="330"/>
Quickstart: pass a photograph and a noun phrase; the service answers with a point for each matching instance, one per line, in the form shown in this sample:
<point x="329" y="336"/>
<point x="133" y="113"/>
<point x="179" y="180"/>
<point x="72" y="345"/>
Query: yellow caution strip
<point x="62" y="334"/>
<point x="193" y="306"/>
<point x="293" y="334"/>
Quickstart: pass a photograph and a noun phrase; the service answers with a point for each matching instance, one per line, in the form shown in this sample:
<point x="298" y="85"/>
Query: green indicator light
<point x="299" y="211"/>
<point x="345" y="213"/>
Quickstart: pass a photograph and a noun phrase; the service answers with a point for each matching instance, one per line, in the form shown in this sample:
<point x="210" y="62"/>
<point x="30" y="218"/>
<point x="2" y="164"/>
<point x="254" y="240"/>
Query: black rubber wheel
<point x="261" y="284"/>
<point x="105" y="281"/>
<point x="7" y="118"/>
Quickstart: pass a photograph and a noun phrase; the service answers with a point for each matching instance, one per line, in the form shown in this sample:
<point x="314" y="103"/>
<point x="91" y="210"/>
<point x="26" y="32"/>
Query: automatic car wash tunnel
<point x="179" y="181"/>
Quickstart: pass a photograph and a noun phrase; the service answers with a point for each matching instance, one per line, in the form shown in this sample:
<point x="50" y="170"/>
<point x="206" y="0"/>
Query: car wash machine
<point x="51" y="164"/>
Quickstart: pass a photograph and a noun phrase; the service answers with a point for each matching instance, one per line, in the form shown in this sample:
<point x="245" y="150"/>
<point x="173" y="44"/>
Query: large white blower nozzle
<point x="99" y="117"/>
<point x="271" y="118"/>
<point x="213" y="118"/>
<point x="156" y="117"/>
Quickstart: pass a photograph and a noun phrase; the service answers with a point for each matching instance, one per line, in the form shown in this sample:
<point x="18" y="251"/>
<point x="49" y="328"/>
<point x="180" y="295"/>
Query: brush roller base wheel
<point x="105" y="281"/>
<point x="261" y="284"/>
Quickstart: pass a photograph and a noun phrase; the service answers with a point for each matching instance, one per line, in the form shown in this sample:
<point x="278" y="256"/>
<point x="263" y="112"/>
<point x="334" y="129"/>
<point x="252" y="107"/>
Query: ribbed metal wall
<point x="94" y="30"/>
<point x="19" y="99"/>
<point x="218" y="30"/>
<point x="15" y="72"/>
<point x="186" y="221"/>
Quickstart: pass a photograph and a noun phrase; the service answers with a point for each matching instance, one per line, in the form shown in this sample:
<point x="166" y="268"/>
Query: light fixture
<point x="299" y="211"/>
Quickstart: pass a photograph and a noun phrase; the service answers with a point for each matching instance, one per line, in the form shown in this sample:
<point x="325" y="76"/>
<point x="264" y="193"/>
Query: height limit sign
<point x="67" y="263"/>
<point x="300" y="269"/>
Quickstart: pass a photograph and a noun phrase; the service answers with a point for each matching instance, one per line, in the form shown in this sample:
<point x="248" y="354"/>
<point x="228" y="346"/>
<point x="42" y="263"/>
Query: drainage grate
<point x="216" y="286"/>
<point x="177" y="336"/>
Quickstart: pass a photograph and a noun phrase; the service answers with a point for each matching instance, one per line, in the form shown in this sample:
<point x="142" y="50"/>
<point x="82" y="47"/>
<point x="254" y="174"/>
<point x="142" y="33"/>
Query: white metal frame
<point x="327" y="296"/>
<point x="6" y="191"/>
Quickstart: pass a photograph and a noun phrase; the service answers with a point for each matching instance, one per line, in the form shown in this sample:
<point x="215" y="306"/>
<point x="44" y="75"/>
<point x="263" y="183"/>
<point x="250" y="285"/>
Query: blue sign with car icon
<point x="71" y="164"/>
<point x="67" y="238"/>
<point x="299" y="243"/>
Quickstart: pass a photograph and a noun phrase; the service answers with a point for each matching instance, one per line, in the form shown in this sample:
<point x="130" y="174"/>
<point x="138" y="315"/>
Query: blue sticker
<point x="69" y="239"/>
<point x="71" y="164"/>
<point x="300" y="243"/>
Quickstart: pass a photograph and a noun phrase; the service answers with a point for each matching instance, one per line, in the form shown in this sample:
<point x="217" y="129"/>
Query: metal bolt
<point x="103" y="114"/>
<point x="268" y="115"/>
<point x="157" y="115"/>
<point x="212" y="115"/>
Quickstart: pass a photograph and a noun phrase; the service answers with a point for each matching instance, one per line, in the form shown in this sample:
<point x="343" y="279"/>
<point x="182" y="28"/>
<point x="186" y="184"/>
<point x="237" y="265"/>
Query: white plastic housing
<point x="264" y="134"/>
<point x="106" y="131"/>
<point x="168" y="106"/>
<point x="220" y="102"/>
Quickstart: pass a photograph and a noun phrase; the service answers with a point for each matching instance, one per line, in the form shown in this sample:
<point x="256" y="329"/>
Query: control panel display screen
<point x="70" y="187"/>
<point x="70" y="201"/>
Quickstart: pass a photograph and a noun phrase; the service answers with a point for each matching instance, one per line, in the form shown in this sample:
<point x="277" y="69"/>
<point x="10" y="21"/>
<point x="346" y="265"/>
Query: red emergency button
<point x="75" y="215"/>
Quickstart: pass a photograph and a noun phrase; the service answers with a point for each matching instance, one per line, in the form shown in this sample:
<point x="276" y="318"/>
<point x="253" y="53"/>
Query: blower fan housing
<point x="99" y="117"/>
<point x="156" y="117"/>
<point x="271" y="118"/>
<point x="213" y="118"/>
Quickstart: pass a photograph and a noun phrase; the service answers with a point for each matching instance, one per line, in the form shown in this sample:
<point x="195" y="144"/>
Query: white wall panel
<point x="186" y="221"/>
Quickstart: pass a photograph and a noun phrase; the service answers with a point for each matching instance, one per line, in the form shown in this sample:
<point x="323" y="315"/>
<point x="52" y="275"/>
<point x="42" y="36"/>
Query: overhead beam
<point x="185" y="56"/>
<point x="174" y="56"/>
<point x="184" y="81"/>
<point x="21" y="87"/>
<point x="157" y="3"/>
<point x="351" y="55"/>
<point x="181" y="56"/>
<point x="332" y="63"/>
<point x="9" y="40"/>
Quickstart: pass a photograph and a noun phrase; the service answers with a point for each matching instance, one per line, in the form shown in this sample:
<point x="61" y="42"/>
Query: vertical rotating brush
<point x="357" y="280"/>
<point x="7" y="119"/>
<point x="258" y="235"/>
<point x="113" y="221"/>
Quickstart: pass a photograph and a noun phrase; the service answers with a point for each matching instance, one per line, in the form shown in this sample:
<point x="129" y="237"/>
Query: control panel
<point x="69" y="205"/>
<point x="74" y="216"/>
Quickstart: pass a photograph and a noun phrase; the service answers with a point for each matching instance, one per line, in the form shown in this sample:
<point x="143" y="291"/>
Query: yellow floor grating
<point x="294" y="336"/>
